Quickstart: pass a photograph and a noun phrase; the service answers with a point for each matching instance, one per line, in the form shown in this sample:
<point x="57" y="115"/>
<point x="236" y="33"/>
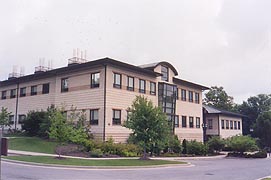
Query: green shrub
<point x="173" y="145"/>
<point x="184" y="145"/>
<point x="242" y="144"/>
<point x="215" y="144"/>
<point x="96" y="153"/>
<point x="259" y="154"/>
<point x="31" y="125"/>
<point x="197" y="148"/>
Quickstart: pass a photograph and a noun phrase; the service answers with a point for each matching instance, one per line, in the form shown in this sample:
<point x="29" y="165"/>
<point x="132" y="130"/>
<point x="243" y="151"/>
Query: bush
<point x="197" y="148"/>
<point x="174" y="145"/>
<point x="242" y="144"/>
<point x="215" y="144"/>
<point x="259" y="154"/>
<point x="184" y="145"/>
<point x="96" y="153"/>
<point x="31" y="125"/>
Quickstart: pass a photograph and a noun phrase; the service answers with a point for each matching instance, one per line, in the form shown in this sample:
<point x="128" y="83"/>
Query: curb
<point x="96" y="167"/>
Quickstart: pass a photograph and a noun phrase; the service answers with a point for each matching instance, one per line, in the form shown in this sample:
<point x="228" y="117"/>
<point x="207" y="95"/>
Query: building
<point x="105" y="88"/>
<point x="221" y="123"/>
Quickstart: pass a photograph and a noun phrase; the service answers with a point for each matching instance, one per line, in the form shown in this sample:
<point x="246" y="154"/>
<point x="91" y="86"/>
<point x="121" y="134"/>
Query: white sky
<point x="211" y="42"/>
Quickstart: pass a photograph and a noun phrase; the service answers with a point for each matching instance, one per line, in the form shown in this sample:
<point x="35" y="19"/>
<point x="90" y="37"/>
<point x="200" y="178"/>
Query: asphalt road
<point x="211" y="169"/>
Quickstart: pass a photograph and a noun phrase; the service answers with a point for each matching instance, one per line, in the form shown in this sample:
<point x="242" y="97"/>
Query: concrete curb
<point x="96" y="167"/>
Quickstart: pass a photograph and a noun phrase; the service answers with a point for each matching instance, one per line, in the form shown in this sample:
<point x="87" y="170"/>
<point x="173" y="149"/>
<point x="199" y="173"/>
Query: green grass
<point x="267" y="179"/>
<point x="33" y="144"/>
<point x="91" y="162"/>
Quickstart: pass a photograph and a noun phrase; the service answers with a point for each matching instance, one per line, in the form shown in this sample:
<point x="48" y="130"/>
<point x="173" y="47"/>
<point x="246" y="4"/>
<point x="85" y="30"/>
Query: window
<point x="152" y="88"/>
<point x="222" y="124"/>
<point x="11" y="119"/>
<point x="142" y="86"/>
<point x="235" y="124"/>
<point x="164" y="72"/>
<point x="64" y="85"/>
<point x="130" y="83"/>
<point x="190" y="94"/>
<point x="231" y="124"/>
<point x="176" y="121"/>
<point x="4" y="95"/>
<point x="45" y="88"/>
<point x="117" y="81"/>
<point x="183" y="95"/>
<point x="197" y="122"/>
<point x="34" y="90"/>
<point x="227" y="124"/>
<point x="94" y="117"/>
<point x="95" y="80"/>
<point x="116" y="117"/>
<point x="23" y="92"/>
<point x="191" y="122"/>
<point x="197" y="98"/>
<point x="13" y="93"/>
<point x="210" y="124"/>
<point x="239" y="125"/>
<point x="21" y="118"/>
<point x="183" y="121"/>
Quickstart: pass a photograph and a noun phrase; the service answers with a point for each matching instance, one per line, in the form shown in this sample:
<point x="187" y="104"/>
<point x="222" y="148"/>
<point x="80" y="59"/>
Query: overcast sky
<point x="210" y="42"/>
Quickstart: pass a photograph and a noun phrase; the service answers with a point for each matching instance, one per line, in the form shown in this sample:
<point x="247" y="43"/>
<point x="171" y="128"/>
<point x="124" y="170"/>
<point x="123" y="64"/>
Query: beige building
<point x="221" y="123"/>
<point x="105" y="88"/>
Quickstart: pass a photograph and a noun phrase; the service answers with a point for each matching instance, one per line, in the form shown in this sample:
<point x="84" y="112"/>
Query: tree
<point x="252" y="108"/>
<point x="262" y="129"/>
<point x="217" y="97"/>
<point x="4" y="118"/>
<point x="59" y="129"/>
<point x="148" y="123"/>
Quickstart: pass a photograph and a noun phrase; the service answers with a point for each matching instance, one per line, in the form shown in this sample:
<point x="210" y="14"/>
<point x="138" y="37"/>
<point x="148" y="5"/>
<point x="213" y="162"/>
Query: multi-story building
<point x="105" y="88"/>
<point x="221" y="123"/>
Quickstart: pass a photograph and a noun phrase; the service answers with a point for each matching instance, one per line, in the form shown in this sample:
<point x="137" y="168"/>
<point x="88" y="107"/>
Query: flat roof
<point x="213" y="110"/>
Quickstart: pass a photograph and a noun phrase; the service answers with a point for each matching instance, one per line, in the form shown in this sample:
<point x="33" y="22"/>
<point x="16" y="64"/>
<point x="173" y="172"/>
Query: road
<point x="210" y="169"/>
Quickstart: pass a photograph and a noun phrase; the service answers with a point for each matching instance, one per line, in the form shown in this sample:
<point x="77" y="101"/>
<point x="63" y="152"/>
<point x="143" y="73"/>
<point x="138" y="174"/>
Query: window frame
<point x="210" y="123"/>
<point x="234" y="125"/>
<point x="20" y="120"/>
<point x="115" y="85"/>
<point x="184" y="121"/>
<point x="116" y="121"/>
<point x="183" y="94"/>
<point x="92" y="120"/>
<point x="64" y="88"/>
<point x="44" y="88"/>
<point x="190" y="96"/>
<point x="227" y="124"/>
<point x="129" y="88"/>
<point x="197" y="97"/>
<point x="176" y="121"/>
<point x="153" y="84"/>
<point x="231" y="124"/>
<point x="4" y="94"/>
<point x="222" y="124"/>
<point x="197" y="122"/>
<point x="191" y="122"/>
<point x="32" y="92"/>
<point x="140" y="86"/>
<point x="13" y="95"/>
<point x="22" y="94"/>
<point x="94" y="84"/>
<point x="163" y="78"/>
<point x="239" y="125"/>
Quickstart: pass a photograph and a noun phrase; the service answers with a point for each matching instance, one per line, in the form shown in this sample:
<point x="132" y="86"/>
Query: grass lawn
<point x="85" y="162"/>
<point x="267" y="179"/>
<point x="33" y="144"/>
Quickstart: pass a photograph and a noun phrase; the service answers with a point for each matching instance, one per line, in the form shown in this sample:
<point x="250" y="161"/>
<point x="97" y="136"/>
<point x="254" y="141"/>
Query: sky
<point x="210" y="42"/>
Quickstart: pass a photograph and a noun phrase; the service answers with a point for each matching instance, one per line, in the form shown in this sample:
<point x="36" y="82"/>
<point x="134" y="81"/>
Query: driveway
<point x="210" y="169"/>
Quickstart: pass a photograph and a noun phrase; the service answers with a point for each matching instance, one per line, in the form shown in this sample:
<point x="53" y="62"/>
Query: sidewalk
<point x="16" y="152"/>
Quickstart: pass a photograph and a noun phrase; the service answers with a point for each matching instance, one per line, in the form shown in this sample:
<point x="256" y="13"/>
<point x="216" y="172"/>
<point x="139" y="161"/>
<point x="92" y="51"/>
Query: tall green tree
<point x="148" y="123"/>
<point x="252" y="108"/>
<point x="4" y="118"/>
<point x="262" y="129"/>
<point x="217" y="97"/>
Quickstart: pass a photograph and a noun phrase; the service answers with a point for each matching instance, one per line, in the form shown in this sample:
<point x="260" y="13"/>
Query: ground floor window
<point x="197" y="122"/>
<point x="222" y="124"/>
<point x="183" y="121"/>
<point x="116" y="120"/>
<point x="210" y="124"/>
<point x="191" y="122"/>
<point x="94" y="117"/>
